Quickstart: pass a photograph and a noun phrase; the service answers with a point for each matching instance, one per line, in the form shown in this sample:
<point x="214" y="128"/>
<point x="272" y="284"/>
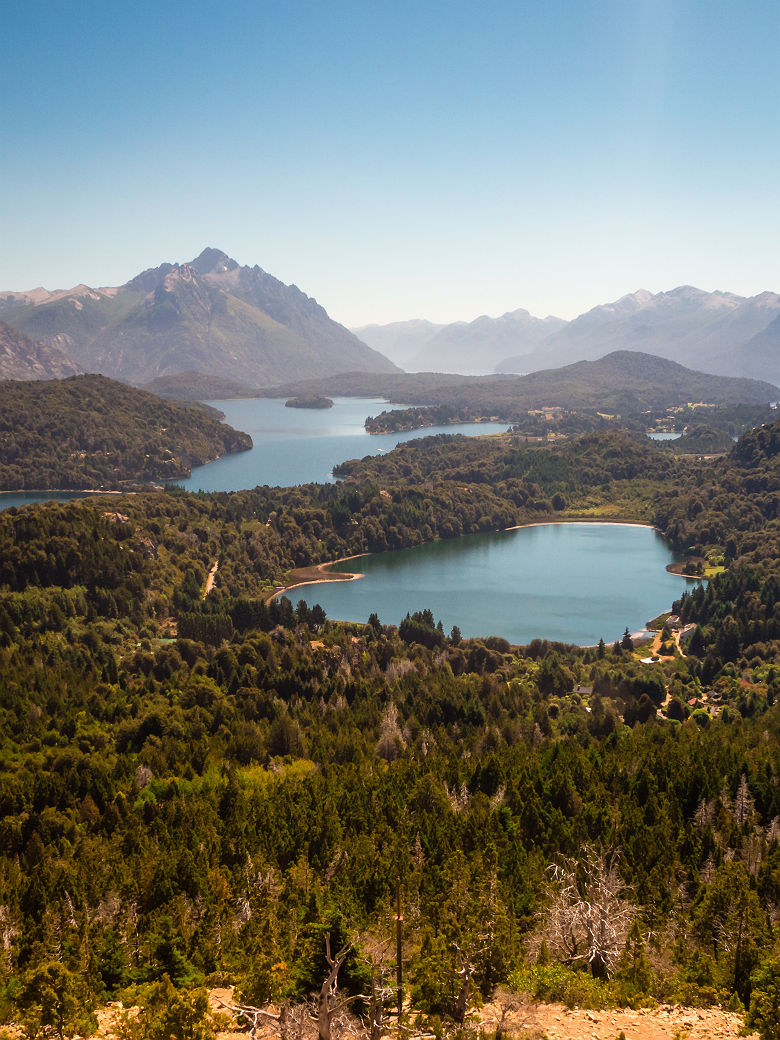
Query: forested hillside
<point x="92" y="432"/>
<point x="204" y="787"/>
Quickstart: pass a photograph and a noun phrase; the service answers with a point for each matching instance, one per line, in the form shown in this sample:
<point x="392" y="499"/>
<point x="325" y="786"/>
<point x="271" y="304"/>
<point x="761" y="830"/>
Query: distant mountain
<point x="401" y="341"/>
<point x="470" y="348"/>
<point x="714" y="332"/>
<point x="210" y="315"/>
<point x="763" y="349"/>
<point x="23" y="358"/>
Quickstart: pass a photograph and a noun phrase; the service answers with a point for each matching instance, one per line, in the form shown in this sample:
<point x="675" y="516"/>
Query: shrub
<point x="556" y="983"/>
<point x="764" y="1011"/>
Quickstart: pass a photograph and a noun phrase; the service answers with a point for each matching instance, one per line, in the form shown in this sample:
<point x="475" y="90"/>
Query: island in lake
<point x="309" y="401"/>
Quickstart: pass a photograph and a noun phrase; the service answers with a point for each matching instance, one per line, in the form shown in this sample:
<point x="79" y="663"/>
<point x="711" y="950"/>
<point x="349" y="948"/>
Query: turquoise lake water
<point x="570" y="582"/>
<point x="302" y="445"/>
<point x="575" y="583"/>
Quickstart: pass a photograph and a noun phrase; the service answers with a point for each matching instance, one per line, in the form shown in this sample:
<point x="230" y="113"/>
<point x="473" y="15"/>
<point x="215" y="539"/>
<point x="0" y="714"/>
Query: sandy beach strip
<point x="316" y="574"/>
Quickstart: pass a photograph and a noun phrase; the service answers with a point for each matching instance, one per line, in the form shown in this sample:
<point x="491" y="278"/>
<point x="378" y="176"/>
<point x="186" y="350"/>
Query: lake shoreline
<point x="64" y="491"/>
<point x="579" y="520"/>
<point x="582" y="599"/>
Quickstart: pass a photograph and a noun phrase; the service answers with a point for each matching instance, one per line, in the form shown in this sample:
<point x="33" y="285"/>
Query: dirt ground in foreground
<point x="554" y="1022"/>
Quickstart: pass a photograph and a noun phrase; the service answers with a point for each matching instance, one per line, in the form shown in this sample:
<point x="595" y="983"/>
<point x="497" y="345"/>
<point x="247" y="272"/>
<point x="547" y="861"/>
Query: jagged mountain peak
<point x="213" y="261"/>
<point x="640" y="298"/>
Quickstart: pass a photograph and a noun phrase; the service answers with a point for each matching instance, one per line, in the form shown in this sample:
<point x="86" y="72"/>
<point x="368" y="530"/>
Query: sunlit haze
<point x="441" y="161"/>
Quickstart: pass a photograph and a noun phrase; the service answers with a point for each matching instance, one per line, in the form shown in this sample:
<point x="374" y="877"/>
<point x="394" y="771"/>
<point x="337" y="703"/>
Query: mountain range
<point x="716" y="332"/>
<point x="470" y="348"/>
<point x="210" y="316"/>
<point x="185" y="324"/>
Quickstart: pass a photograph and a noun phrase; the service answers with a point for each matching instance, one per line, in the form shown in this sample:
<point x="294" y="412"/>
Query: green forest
<point x="217" y="789"/>
<point x="92" y="432"/>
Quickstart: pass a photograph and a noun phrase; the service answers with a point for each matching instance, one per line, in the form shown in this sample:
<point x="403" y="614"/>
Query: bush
<point x="52" y="1003"/>
<point x="165" y="1013"/>
<point x="764" y="1011"/>
<point x="555" y="983"/>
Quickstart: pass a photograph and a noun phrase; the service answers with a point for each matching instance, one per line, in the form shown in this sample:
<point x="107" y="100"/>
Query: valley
<point x="208" y="786"/>
<point x="390" y="522"/>
<point x="319" y="761"/>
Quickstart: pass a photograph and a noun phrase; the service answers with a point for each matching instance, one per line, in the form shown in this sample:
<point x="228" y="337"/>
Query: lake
<point x="24" y="498"/>
<point x="302" y="445"/>
<point x="563" y="581"/>
<point x="291" y="446"/>
<point x="575" y="582"/>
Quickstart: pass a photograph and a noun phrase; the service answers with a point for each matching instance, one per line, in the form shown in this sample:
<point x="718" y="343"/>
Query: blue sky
<point x="396" y="160"/>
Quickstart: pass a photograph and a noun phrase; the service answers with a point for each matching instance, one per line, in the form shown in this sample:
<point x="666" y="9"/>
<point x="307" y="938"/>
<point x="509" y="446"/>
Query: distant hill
<point x="23" y="358"/>
<point x="210" y="315"/>
<point x="700" y="439"/>
<point x="712" y="332"/>
<point x="625" y="382"/>
<point x="92" y="432"/>
<point x="195" y="386"/>
<point x="470" y="348"/>
<point x="631" y="381"/>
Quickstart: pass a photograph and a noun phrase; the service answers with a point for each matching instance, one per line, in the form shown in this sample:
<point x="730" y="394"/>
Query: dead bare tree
<point x="465" y="970"/>
<point x="381" y="994"/>
<point x="589" y="916"/>
<point x="508" y="1003"/>
<point x="253" y="1016"/>
<point x="326" y="1009"/>
<point x="328" y="1003"/>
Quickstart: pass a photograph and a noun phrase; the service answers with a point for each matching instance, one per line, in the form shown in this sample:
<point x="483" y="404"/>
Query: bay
<point x="302" y="445"/>
<point x="571" y="582"/>
<point x="24" y="498"/>
<point x="290" y="446"/>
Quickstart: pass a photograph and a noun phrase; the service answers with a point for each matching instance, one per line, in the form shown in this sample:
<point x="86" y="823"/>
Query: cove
<point x="570" y="582"/>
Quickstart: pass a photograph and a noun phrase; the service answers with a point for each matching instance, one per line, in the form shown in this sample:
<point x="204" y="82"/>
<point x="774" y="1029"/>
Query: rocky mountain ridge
<point x="24" y="358"/>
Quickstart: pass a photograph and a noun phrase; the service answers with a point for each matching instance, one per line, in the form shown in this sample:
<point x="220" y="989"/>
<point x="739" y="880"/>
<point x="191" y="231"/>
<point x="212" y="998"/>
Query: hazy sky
<point x="396" y="160"/>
